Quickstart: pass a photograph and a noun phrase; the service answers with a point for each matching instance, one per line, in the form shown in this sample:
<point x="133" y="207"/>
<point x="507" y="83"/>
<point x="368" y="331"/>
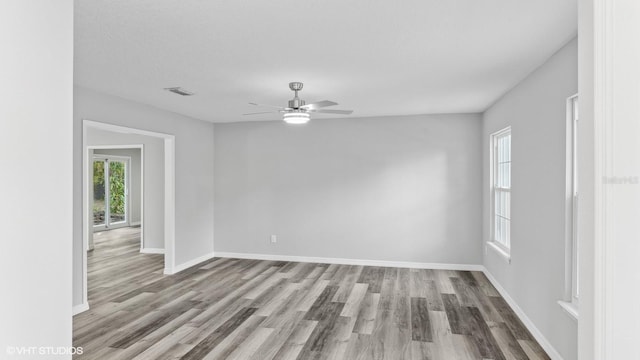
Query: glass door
<point x="117" y="192"/>
<point x="99" y="194"/>
<point x="110" y="192"/>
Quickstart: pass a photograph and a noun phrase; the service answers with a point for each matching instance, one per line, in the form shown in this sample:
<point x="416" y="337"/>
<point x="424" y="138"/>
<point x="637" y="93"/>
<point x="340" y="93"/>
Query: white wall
<point x="135" y="179"/>
<point x="193" y="178"/>
<point x="536" y="112"/>
<point x="386" y="188"/>
<point x="36" y="68"/>
<point x="153" y="179"/>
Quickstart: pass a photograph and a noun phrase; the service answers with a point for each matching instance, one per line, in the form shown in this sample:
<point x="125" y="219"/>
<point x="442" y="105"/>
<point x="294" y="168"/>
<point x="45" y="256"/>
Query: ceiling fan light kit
<point x="298" y="112"/>
<point x="296" y="118"/>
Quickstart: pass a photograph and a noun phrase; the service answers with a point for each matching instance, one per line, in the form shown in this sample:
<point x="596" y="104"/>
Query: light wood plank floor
<point x="251" y="309"/>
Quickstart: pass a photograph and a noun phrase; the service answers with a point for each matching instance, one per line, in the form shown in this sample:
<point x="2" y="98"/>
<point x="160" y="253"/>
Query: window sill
<point x="570" y="308"/>
<point x="504" y="254"/>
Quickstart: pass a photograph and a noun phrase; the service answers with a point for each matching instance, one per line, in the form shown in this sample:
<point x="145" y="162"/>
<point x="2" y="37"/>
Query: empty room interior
<point x="326" y="180"/>
<point x="385" y="227"/>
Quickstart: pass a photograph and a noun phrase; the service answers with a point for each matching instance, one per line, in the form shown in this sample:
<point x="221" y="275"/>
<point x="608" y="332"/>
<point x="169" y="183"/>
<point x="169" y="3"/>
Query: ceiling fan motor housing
<point x="296" y="102"/>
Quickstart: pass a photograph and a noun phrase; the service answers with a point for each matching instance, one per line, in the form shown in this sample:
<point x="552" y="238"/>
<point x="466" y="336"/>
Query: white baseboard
<point x="342" y="261"/>
<point x="77" y="309"/>
<point x="541" y="339"/>
<point x="188" y="264"/>
<point x="135" y="223"/>
<point x="151" y="251"/>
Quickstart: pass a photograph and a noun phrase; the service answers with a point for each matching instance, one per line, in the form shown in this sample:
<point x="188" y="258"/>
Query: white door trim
<point x="169" y="192"/>
<point x="603" y="201"/>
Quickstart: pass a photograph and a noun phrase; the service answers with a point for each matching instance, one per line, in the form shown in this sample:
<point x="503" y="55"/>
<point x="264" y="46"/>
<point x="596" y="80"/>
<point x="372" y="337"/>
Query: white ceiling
<point x="375" y="57"/>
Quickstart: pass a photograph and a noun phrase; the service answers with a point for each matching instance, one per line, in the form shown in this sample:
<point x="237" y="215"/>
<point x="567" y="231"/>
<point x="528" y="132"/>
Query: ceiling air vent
<point x="179" y="91"/>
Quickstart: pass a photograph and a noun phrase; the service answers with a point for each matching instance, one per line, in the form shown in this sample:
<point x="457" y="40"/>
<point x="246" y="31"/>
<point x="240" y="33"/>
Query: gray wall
<point x="536" y="112"/>
<point x="387" y="188"/>
<point x="193" y="178"/>
<point x="153" y="179"/>
<point x="135" y="180"/>
<point x="36" y="68"/>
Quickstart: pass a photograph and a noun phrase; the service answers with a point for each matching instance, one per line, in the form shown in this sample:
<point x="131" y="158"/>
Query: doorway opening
<point x="107" y="194"/>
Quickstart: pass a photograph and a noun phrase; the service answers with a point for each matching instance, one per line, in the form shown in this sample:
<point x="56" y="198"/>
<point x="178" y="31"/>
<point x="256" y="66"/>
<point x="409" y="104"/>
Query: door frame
<point x="607" y="71"/>
<point x="127" y="180"/>
<point x="169" y="195"/>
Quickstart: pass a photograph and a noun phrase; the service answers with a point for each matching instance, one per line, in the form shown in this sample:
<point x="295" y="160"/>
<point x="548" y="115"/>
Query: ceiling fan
<point x="298" y="112"/>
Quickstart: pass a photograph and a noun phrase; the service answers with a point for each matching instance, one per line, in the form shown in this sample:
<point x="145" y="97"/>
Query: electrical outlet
<point x="274" y="239"/>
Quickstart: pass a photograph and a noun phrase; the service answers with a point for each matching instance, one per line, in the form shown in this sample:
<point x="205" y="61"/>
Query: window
<point x="572" y="262"/>
<point x="573" y="109"/>
<point x="501" y="190"/>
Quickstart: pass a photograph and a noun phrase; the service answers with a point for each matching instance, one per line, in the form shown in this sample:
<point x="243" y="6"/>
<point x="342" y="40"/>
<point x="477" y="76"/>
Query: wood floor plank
<point x="372" y="276"/>
<point x="165" y="345"/>
<point x="338" y="342"/>
<point x="443" y="347"/>
<point x="216" y="337"/>
<point x="249" y="347"/>
<point x="287" y="310"/>
<point x="420" y="324"/>
<point x="359" y="347"/>
<point x="281" y="333"/>
<point x="484" y="284"/>
<point x="516" y="326"/>
<point x="306" y="271"/>
<point x="232" y="341"/>
<point x="323" y="306"/>
<point x="320" y="336"/>
<point x="296" y="341"/>
<point x="465" y="348"/>
<point x="443" y="282"/>
<point x="533" y="350"/>
<point x="354" y="300"/>
<point x="346" y="284"/>
<point x="418" y="279"/>
<point x="235" y="339"/>
<point x="367" y="314"/>
<point x="455" y="316"/>
<point x="421" y="350"/>
<point x="511" y="349"/>
<point x="157" y="320"/>
<point x="277" y="301"/>
<point x="482" y="336"/>
<point x="463" y="292"/>
<point x="205" y="328"/>
<point x="312" y="295"/>
<point x="229" y="308"/>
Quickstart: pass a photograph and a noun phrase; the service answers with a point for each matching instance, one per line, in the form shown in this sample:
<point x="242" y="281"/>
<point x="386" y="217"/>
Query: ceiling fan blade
<point x="272" y="106"/>
<point x="343" y="112"/>
<point x="319" y="104"/>
<point x="263" y="112"/>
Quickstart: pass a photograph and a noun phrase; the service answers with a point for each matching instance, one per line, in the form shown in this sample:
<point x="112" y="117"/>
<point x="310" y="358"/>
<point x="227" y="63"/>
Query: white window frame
<point x="571" y="300"/>
<point x="502" y="249"/>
